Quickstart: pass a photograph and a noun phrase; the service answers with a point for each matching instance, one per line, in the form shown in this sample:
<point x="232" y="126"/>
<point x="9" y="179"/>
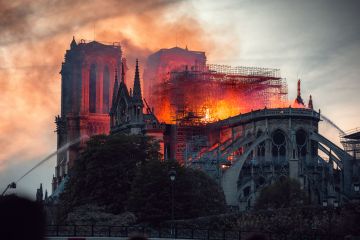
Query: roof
<point x="354" y="135"/>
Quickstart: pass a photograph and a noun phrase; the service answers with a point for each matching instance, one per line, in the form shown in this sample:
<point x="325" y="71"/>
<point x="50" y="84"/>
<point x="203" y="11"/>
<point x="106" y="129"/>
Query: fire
<point x="218" y="109"/>
<point x="180" y="85"/>
<point x="209" y="102"/>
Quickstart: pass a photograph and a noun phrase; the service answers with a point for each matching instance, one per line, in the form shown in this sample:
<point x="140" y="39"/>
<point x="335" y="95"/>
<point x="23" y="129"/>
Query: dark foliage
<point x="104" y="173"/>
<point x="122" y="173"/>
<point x="281" y="194"/>
<point x="195" y="194"/>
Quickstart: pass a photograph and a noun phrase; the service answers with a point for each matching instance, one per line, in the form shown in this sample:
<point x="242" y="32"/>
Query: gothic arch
<point x="106" y="90"/>
<point x="92" y="88"/>
<point x="301" y="138"/>
<point x="229" y="178"/>
<point x="260" y="152"/>
<point x="279" y="145"/>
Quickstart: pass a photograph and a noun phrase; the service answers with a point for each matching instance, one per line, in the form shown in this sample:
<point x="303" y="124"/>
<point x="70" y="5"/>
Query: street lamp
<point x="172" y="175"/>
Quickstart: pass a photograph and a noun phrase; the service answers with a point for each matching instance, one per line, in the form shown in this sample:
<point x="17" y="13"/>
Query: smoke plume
<point x="34" y="37"/>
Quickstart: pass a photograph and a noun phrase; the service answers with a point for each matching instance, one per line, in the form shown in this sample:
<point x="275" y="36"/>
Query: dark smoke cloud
<point x="34" y="37"/>
<point x="25" y="20"/>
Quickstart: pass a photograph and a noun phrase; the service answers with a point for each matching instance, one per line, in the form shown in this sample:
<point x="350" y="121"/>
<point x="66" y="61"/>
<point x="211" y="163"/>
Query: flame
<point x="210" y="103"/>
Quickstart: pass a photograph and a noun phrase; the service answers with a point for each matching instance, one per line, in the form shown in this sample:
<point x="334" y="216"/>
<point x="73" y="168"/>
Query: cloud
<point x="26" y="20"/>
<point x="34" y="38"/>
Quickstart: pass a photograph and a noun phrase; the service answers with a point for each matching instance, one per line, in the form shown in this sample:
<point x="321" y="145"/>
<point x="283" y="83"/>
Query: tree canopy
<point x="281" y="194"/>
<point x="105" y="170"/>
<point x="195" y="193"/>
<point x="124" y="172"/>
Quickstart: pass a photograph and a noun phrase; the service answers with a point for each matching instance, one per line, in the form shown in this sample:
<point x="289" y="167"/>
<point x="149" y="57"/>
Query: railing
<point x="174" y="233"/>
<point x="349" y="132"/>
<point x="274" y="112"/>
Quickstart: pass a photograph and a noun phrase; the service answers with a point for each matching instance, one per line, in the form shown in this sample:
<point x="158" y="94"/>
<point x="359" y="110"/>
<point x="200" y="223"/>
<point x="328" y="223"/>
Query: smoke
<point x="34" y="20"/>
<point x="34" y="37"/>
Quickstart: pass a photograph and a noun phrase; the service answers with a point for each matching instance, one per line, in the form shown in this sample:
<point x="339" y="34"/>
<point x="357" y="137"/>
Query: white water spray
<point x="324" y="118"/>
<point x="63" y="148"/>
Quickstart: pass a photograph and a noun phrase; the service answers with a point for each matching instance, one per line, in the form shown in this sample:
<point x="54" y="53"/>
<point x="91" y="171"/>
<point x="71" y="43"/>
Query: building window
<point x="278" y="145"/>
<point x="301" y="140"/>
<point x="246" y="191"/>
<point x="106" y="90"/>
<point x="261" y="147"/>
<point x="92" y="89"/>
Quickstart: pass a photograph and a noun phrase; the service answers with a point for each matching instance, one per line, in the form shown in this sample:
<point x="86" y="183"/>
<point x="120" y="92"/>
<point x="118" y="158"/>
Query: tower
<point x="310" y="105"/>
<point x="86" y="97"/>
<point x="137" y="97"/>
<point x="299" y="101"/>
<point x="157" y="71"/>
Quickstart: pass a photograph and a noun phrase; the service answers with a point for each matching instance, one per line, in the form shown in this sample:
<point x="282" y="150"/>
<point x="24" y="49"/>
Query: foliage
<point x="120" y="173"/>
<point x="95" y="215"/>
<point x="195" y="194"/>
<point x="281" y="194"/>
<point x="105" y="170"/>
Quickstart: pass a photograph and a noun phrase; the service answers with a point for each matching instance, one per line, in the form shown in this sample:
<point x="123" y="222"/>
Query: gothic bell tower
<point x="87" y="75"/>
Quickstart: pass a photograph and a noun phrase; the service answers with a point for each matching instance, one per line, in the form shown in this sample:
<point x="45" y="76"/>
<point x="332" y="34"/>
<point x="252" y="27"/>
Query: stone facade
<point x="87" y="76"/>
<point x="127" y="116"/>
<point x="257" y="148"/>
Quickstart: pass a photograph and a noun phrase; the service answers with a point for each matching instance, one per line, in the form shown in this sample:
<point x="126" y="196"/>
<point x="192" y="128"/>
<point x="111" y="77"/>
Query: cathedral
<point x="244" y="153"/>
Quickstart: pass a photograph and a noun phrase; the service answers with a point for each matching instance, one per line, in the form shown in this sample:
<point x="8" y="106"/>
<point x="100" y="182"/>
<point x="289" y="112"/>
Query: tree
<point x="120" y="173"/>
<point x="281" y="194"/>
<point x="105" y="170"/>
<point x="196" y="194"/>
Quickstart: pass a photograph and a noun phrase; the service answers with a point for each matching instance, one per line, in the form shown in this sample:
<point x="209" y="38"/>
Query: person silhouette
<point x="21" y="218"/>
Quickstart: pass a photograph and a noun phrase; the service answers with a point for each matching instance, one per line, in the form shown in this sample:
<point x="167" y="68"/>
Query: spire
<point x="137" y="88"/>
<point x="299" y="101"/>
<point x="122" y="73"/>
<point x="310" y="105"/>
<point x="73" y="43"/>
<point x="39" y="194"/>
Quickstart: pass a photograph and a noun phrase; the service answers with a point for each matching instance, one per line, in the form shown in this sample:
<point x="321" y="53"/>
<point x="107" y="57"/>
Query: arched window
<point x="92" y="89"/>
<point x="246" y="191"/>
<point x="301" y="142"/>
<point x="278" y="145"/>
<point x="261" y="146"/>
<point x="106" y="90"/>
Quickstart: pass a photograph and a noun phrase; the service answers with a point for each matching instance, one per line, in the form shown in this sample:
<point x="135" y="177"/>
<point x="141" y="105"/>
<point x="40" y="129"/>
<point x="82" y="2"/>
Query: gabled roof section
<point x="122" y="93"/>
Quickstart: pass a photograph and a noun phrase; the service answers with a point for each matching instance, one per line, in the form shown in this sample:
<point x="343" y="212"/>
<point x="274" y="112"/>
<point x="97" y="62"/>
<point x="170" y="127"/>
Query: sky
<point x="315" y="40"/>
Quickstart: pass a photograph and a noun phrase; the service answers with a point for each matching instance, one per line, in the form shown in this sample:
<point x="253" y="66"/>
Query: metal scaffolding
<point x="351" y="142"/>
<point x="193" y="93"/>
